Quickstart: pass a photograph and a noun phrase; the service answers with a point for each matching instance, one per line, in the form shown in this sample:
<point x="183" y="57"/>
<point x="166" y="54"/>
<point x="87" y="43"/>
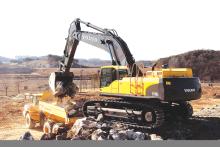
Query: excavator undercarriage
<point x="146" y="114"/>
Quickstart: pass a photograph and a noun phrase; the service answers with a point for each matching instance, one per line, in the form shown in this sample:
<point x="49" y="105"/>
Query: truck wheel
<point x="47" y="128"/>
<point x="29" y="123"/>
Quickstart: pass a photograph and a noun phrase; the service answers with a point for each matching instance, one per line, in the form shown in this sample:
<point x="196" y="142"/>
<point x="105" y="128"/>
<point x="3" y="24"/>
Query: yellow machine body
<point x="138" y="86"/>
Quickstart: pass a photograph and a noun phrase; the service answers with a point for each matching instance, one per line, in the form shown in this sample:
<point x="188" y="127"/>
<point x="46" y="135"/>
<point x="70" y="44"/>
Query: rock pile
<point x="26" y="136"/>
<point x="90" y="129"/>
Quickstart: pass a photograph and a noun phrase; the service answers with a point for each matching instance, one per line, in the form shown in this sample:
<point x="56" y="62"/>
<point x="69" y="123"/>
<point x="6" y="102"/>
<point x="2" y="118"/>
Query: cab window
<point x="108" y="75"/>
<point x="122" y="73"/>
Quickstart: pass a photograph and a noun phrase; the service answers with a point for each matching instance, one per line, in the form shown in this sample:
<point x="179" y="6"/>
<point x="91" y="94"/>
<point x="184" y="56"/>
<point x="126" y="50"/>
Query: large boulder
<point x="26" y="136"/>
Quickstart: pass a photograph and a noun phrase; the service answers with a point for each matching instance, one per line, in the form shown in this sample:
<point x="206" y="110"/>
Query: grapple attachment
<point x="62" y="84"/>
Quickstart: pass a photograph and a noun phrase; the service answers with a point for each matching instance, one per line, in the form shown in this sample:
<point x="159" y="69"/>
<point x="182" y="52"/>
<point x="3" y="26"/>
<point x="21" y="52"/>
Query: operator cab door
<point x="108" y="80"/>
<point x="124" y="87"/>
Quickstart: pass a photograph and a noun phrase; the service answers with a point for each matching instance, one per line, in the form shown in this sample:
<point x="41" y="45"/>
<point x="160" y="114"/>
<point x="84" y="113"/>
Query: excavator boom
<point x="106" y="39"/>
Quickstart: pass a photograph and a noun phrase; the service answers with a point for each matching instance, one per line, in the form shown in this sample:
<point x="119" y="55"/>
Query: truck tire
<point x="47" y="128"/>
<point x="29" y="123"/>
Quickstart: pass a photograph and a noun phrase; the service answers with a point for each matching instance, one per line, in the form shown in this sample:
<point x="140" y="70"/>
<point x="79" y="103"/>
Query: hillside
<point x="4" y="59"/>
<point x="49" y="61"/>
<point x="205" y="63"/>
<point x="52" y="61"/>
<point x="93" y="62"/>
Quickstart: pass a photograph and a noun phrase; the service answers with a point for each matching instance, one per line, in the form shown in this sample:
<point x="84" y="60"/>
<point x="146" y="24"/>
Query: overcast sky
<point x="151" y="28"/>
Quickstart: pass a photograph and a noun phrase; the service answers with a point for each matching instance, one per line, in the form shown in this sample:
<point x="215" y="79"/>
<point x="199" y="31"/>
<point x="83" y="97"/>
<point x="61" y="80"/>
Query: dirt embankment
<point x="204" y="63"/>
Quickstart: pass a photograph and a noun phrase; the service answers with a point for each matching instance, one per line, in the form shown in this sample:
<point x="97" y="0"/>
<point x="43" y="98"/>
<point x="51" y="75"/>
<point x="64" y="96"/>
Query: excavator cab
<point x="111" y="73"/>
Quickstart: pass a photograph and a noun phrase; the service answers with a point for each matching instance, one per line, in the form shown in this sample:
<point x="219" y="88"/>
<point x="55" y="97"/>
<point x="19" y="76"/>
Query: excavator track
<point x="183" y="110"/>
<point x="129" y="113"/>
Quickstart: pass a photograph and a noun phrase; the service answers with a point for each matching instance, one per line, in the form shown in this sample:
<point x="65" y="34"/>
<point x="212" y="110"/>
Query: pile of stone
<point x="26" y="136"/>
<point x="91" y="129"/>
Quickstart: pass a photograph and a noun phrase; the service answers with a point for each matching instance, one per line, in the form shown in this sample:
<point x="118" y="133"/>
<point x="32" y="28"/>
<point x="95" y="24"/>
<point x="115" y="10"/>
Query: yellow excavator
<point x="136" y="98"/>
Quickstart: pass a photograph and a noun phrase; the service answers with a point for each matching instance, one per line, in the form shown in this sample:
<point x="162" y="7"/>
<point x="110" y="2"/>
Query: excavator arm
<point x="104" y="39"/>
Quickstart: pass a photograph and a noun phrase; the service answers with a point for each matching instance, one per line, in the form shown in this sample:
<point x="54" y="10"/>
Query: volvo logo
<point x="190" y="90"/>
<point x="90" y="38"/>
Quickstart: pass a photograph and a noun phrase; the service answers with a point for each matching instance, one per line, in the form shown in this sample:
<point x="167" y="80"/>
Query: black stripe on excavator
<point x="129" y="96"/>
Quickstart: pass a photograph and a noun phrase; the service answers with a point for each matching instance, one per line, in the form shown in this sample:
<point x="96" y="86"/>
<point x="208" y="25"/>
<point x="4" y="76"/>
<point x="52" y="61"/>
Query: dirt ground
<point x="11" y="119"/>
<point x="205" y="123"/>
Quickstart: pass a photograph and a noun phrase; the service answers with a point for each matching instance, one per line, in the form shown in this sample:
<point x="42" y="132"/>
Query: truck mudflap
<point x="181" y="89"/>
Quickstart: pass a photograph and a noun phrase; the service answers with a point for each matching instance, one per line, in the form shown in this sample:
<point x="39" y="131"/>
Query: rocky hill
<point x="205" y="63"/>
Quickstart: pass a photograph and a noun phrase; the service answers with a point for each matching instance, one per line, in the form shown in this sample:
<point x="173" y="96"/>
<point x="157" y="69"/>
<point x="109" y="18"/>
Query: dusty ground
<point x="204" y="125"/>
<point x="11" y="119"/>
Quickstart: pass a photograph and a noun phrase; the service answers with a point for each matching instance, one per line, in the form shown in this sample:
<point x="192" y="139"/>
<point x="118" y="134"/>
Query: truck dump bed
<point x="56" y="113"/>
<point x="47" y="105"/>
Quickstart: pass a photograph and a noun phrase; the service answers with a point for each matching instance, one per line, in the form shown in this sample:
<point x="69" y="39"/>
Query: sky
<point x="151" y="28"/>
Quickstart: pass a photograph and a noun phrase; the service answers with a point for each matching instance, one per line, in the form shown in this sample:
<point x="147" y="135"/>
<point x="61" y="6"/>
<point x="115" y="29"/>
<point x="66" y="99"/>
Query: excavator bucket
<point x="61" y="84"/>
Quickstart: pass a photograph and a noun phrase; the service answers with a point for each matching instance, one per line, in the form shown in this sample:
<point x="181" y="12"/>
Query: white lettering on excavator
<point x="189" y="90"/>
<point x="90" y="38"/>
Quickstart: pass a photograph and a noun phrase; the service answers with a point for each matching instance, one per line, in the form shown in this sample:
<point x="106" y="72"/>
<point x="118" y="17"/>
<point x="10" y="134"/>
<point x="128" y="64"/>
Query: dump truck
<point x="48" y="113"/>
